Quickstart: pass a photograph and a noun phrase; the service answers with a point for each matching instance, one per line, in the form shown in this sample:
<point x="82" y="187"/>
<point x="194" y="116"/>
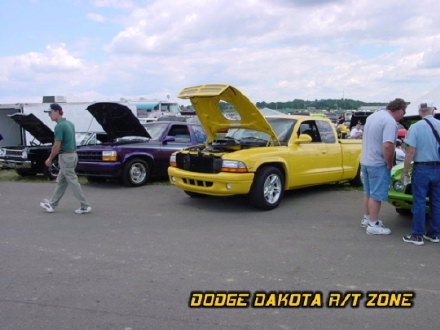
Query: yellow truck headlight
<point x="109" y="156"/>
<point x="234" y="166"/>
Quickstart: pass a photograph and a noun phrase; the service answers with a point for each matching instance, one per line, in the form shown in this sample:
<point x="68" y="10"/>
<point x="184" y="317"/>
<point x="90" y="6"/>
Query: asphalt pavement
<point x="134" y="261"/>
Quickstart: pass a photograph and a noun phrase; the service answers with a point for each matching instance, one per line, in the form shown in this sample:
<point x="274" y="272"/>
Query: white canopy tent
<point x="432" y="96"/>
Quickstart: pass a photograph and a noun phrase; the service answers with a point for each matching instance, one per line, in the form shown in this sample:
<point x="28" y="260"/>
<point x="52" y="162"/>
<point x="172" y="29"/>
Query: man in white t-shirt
<point x="400" y="154"/>
<point x="356" y="132"/>
<point x="378" y="145"/>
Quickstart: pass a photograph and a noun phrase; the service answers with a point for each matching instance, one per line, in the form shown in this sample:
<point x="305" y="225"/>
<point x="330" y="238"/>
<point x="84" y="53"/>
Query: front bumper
<point x="219" y="184"/>
<point x="400" y="200"/>
<point x="99" y="169"/>
<point x="15" y="164"/>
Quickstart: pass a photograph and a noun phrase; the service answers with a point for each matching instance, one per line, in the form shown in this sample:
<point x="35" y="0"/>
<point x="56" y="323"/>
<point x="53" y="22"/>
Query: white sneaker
<point x="433" y="239"/>
<point x="378" y="229"/>
<point x="83" y="210"/>
<point x="365" y="222"/>
<point x="46" y="205"/>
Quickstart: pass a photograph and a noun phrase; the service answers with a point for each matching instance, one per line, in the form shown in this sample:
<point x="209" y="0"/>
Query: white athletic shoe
<point x="378" y="229"/>
<point x="83" y="210"/>
<point x="46" y="205"/>
<point x="365" y="222"/>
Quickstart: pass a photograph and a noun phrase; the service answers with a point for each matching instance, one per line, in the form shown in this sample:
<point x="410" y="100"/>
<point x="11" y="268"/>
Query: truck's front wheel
<point x="267" y="189"/>
<point x="136" y="173"/>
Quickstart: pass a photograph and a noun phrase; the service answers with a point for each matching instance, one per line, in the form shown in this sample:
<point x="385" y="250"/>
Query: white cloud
<point x="306" y="3"/>
<point x="96" y="17"/>
<point x="55" y="59"/>
<point x="53" y="72"/>
<point x="114" y="3"/>
<point x="273" y="50"/>
<point x="306" y="49"/>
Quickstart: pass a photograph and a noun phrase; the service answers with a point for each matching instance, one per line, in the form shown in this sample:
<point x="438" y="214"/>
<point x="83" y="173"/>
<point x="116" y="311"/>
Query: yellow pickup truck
<point x="248" y="153"/>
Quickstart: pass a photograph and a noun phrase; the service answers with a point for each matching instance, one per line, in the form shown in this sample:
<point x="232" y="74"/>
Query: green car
<point x="400" y="194"/>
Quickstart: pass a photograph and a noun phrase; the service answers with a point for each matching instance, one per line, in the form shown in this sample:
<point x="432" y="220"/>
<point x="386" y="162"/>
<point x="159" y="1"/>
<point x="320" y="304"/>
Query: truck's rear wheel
<point x="357" y="181"/>
<point x="267" y="189"/>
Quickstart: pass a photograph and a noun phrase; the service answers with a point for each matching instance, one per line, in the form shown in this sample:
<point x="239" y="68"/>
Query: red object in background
<point x="401" y="133"/>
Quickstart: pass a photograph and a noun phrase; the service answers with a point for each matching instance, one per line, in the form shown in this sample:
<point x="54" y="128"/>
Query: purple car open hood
<point x="117" y="120"/>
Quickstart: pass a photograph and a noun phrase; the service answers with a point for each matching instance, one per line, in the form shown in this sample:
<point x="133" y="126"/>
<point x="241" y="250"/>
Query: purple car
<point x="137" y="151"/>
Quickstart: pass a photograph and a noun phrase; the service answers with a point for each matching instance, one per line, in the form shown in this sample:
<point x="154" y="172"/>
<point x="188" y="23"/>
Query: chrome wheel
<point x="272" y="188"/>
<point x="138" y="173"/>
<point x="54" y="169"/>
<point x="268" y="188"/>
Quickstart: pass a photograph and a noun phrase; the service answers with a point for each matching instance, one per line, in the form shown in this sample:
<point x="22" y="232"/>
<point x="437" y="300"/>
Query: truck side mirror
<point x="168" y="139"/>
<point x="303" y="138"/>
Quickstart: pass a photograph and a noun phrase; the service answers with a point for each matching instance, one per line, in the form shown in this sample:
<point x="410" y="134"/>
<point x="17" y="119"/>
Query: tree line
<point x="323" y="104"/>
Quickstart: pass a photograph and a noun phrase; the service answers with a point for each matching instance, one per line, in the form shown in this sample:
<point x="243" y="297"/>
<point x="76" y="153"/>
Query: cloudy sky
<point x="272" y="50"/>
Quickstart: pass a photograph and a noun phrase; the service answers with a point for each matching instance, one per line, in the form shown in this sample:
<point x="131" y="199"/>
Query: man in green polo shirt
<point x="65" y="147"/>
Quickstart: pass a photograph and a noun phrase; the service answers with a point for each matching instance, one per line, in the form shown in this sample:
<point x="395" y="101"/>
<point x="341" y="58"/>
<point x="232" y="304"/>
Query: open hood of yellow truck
<point x="206" y="98"/>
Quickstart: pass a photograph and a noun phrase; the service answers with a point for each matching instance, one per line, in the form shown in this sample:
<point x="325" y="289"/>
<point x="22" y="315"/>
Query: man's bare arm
<point x="54" y="152"/>
<point x="409" y="156"/>
<point x="388" y="153"/>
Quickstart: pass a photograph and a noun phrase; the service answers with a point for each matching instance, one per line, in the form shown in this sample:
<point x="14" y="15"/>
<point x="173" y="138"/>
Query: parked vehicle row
<point x="232" y="148"/>
<point x="126" y="150"/>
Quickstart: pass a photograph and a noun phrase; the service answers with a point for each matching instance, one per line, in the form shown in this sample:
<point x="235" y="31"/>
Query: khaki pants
<point x="67" y="177"/>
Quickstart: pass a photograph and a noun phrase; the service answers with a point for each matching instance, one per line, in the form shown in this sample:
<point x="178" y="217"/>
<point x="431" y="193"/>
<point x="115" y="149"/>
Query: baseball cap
<point x="426" y="105"/>
<point x="54" y="107"/>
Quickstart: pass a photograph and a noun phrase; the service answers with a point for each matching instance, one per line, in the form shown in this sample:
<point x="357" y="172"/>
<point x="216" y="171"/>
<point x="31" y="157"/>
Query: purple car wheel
<point x="136" y="173"/>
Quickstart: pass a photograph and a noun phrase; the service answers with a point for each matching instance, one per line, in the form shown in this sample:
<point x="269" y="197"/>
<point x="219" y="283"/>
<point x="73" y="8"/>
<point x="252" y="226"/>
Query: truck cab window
<point x="181" y="133"/>
<point x="309" y="127"/>
<point x="326" y="132"/>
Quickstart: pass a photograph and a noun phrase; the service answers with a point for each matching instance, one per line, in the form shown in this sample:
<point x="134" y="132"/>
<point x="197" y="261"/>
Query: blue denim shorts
<point x="376" y="181"/>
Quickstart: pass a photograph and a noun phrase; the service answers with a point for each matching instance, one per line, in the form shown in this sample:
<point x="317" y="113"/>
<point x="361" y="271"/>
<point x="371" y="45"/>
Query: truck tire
<point x="267" y="189"/>
<point x="357" y="181"/>
<point x="136" y="173"/>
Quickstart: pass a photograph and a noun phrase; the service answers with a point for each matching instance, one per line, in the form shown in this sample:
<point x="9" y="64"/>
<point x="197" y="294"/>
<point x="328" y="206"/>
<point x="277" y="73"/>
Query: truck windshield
<point x="155" y="129"/>
<point x="83" y="138"/>
<point x="282" y="127"/>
